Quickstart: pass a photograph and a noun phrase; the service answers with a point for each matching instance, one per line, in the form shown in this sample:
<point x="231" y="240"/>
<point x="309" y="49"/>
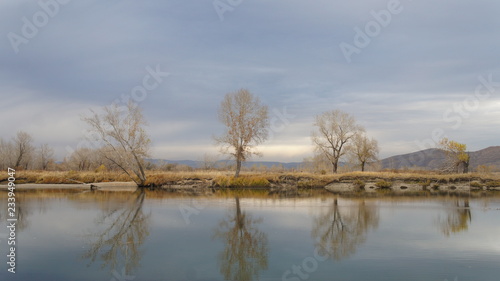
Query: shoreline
<point x="293" y="185"/>
<point x="103" y="186"/>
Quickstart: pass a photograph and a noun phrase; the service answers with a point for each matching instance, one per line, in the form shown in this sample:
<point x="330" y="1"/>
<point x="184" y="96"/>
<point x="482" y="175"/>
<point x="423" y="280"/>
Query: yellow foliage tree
<point x="456" y="156"/>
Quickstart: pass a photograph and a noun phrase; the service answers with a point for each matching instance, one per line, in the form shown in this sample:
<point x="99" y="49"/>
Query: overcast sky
<point x="407" y="70"/>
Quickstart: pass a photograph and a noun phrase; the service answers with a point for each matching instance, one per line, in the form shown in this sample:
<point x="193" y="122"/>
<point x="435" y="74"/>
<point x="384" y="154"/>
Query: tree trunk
<point x="466" y="166"/>
<point x="18" y="162"/>
<point x="362" y="166"/>
<point x="141" y="175"/>
<point x="335" y="165"/>
<point x="142" y="182"/>
<point x="238" y="167"/>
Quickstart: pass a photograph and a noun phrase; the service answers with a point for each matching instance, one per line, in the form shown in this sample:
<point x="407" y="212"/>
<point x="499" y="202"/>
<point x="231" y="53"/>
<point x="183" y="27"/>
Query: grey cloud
<point x="286" y="52"/>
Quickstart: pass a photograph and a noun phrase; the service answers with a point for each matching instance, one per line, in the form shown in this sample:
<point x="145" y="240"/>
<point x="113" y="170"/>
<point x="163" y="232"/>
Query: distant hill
<point x="433" y="158"/>
<point x="429" y="159"/>
<point x="489" y="156"/>
<point x="249" y="164"/>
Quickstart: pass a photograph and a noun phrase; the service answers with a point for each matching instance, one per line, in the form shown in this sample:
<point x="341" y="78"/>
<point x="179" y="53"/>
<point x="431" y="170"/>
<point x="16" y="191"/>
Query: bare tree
<point x="246" y="121"/>
<point x="44" y="156"/>
<point x="23" y="149"/>
<point x="86" y="159"/>
<point x="81" y="159"/>
<point x="7" y="157"/>
<point x="334" y="130"/>
<point x="364" y="150"/>
<point x="316" y="163"/>
<point x="125" y="142"/>
<point x="209" y="161"/>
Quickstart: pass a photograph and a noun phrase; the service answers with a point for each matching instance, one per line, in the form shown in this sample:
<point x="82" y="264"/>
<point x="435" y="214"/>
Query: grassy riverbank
<point x="249" y="179"/>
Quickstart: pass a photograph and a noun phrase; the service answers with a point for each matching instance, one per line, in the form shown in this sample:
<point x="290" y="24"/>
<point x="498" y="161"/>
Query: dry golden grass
<point x="247" y="179"/>
<point x="66" y="177"/>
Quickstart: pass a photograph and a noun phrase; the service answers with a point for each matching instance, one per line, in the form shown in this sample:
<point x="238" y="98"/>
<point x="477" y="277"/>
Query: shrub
<point x="476" y="184"/>
<point x="383" y="184"/>
<point x="157" y="180"/>
<point x="88" y="178"/>
<point x="359" y="184"/>
<point x="52" y="179"/>
<point x="101" y="169"/>
<point x="425" y="184"/>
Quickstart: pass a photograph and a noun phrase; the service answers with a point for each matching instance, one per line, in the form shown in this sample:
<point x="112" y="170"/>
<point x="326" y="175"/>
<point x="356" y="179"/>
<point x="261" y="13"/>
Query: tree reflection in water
<point x="22" y="213"/>
<point x="340" y="230"/>
<point x="125" y="228"/>
<point x="26" y="205"/>
<point x="457" y="218"/>
<point x="246" y="247"/>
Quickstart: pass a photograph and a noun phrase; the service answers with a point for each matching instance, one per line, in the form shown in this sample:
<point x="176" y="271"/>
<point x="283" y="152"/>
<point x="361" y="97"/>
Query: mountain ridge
<point x="430" y="159"/>
<point x="433" y="158"/>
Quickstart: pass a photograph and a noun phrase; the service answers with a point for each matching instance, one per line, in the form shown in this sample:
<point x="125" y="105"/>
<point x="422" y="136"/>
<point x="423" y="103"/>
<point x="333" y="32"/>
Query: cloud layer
<point x="428" y="69"/>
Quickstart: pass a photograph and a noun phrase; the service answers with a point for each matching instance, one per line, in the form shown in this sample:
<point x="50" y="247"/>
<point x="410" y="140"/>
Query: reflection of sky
<point x="407" y="245"/>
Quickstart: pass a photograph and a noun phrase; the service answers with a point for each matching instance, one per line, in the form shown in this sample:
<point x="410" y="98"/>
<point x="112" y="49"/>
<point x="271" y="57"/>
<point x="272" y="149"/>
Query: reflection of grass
<point x="242" y="193"/>
<point x="384" y="191"/>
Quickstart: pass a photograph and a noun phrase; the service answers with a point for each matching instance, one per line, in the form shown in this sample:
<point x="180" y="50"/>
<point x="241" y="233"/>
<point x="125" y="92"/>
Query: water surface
<point x="154" y="236"/>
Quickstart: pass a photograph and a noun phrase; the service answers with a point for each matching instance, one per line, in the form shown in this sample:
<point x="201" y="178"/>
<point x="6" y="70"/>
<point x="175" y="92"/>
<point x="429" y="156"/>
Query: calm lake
<point x="250" y="236"/>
